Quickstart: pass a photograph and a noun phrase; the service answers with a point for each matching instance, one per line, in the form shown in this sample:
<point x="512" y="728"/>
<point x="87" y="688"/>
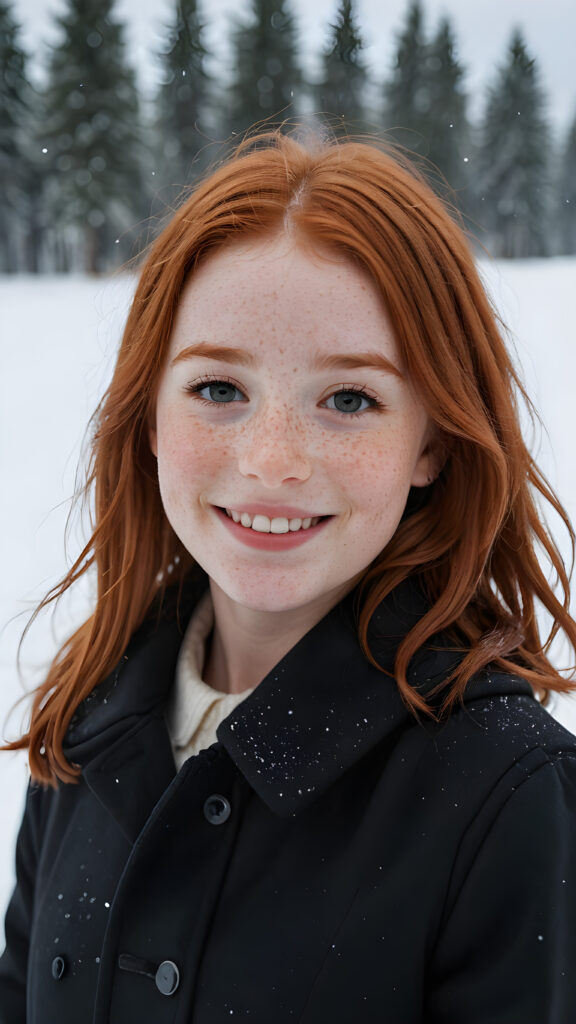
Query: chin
<point x="270" y="602"/>
<point x="279" y="595"/>
<point x="267" y="593"/>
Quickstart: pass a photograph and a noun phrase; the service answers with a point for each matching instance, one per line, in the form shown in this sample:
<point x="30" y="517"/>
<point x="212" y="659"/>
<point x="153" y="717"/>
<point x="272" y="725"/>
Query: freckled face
<point x="283" y="399"/>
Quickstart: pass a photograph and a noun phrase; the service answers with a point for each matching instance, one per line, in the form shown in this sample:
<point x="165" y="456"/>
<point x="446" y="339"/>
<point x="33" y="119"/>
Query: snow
<point x="59" y="339"/>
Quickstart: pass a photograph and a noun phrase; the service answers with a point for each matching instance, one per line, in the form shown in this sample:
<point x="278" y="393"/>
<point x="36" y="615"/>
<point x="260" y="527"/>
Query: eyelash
<point x="374" y="403"/>
<point x="195" y="387"/>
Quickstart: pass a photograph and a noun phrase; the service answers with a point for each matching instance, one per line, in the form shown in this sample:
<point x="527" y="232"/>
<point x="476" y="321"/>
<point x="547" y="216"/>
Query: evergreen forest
<point x="89" y="167"/>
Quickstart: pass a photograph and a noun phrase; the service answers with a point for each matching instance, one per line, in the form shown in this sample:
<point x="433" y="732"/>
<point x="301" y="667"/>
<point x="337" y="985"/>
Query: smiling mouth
<point x="279" y="524"/>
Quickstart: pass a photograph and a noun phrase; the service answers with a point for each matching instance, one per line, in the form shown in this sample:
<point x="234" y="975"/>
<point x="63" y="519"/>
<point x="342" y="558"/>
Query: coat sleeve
<point x="507" y="950"/>
<point x="14" y="960"/>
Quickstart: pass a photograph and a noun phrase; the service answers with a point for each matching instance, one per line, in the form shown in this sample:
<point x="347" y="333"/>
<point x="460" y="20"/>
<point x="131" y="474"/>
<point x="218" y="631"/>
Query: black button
<point x="58" y="967"/>
<point x="167" y="978"/>
<point x="217" y="809"/>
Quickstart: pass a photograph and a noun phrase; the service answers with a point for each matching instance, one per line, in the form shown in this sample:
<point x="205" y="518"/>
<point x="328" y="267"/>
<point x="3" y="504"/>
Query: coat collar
<point x="322" y="708"/>
<point x="325" y="706"/>
<point x="118" y="734"/>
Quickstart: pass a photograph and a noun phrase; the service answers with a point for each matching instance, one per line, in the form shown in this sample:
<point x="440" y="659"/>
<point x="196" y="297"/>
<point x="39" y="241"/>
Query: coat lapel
<point x="118" y="735"/>
<point x="131" y="775"/>
<point x="323" y="707"/>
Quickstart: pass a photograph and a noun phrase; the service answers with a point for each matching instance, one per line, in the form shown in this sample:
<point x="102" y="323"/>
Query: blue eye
<point x="216" y="392"/>
<point x="350" y="401"/>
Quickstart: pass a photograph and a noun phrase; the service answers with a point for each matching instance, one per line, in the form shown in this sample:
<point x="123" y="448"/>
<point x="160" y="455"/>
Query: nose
<point x="274" y="449"/>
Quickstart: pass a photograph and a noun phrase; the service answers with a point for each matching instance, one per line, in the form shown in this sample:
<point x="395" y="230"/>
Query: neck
<point x="247" y="643"/>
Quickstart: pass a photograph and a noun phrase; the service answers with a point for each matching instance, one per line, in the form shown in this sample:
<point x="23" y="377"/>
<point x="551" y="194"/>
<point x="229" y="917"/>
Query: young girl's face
<point x="286" y="434"/>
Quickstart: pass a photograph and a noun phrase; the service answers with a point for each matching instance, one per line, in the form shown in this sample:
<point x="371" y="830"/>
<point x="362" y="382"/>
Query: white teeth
<point x="279" y="524"/>
<point x="262" y="524"/>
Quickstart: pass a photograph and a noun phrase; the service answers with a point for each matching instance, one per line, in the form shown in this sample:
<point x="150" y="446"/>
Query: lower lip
<point x="270" y="541"/>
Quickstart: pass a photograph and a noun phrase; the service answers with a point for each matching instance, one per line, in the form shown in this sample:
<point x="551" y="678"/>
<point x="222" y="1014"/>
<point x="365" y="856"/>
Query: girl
<point x="295" y="767"/>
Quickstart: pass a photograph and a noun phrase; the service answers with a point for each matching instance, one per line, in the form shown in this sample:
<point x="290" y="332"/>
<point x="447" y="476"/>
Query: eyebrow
<point x="336" y="361"/>
<point x="222" y="353"/>
<point x="356" y="360"/>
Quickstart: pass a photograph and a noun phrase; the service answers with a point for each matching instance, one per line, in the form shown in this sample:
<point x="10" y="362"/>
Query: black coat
<point x="328" y="861"/>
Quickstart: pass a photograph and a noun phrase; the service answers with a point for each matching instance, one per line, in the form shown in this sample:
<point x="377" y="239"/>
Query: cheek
<point x="375" y="476"/>
<point x="188" y="453"/>
<point x="371" y="468"/>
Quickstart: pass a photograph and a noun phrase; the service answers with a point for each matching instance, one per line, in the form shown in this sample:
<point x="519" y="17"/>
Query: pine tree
<point x="447" y="129"/>
<point x="16" y="170"/>
<point x="182" y="101"/>
<point x="407" y="99"/>
<point x="266" y="73"/>
<point x="425" y="104"/>
<point x="512" y="165"/>
<point x="341" y="90"/>
<point x="92" y="139"/>
<point x="566" y="196"/>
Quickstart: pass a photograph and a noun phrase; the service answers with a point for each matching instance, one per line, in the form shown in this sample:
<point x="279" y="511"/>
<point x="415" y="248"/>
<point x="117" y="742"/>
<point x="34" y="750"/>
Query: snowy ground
<point x="59" y="337"/>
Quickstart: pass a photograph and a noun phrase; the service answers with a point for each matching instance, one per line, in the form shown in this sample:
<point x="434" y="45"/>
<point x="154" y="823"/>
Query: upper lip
<point x="259" y="508"/>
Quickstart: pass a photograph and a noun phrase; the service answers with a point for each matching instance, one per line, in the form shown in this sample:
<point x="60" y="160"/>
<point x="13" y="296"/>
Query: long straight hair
<point x="473" y="543"/>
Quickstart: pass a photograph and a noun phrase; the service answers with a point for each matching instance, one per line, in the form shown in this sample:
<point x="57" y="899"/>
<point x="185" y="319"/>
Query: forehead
<point x="272" y="287"/>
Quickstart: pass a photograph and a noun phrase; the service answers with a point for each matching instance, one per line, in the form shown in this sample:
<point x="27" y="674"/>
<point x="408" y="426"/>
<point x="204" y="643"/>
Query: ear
<point x="431" y="459"/>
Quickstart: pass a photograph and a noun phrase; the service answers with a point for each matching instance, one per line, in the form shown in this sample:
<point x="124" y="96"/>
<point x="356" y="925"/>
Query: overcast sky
<point x="482" y="28"/>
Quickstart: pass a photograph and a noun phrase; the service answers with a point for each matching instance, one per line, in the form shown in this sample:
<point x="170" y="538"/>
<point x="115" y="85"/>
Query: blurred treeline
<point x="88" y="167"/>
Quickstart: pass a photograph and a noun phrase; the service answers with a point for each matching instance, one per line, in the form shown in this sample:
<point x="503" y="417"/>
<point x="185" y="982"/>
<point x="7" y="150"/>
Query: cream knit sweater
<point x="196" y="709"/>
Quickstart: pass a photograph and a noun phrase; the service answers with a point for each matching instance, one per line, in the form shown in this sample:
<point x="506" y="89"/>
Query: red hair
<point x="473" y="543"/>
